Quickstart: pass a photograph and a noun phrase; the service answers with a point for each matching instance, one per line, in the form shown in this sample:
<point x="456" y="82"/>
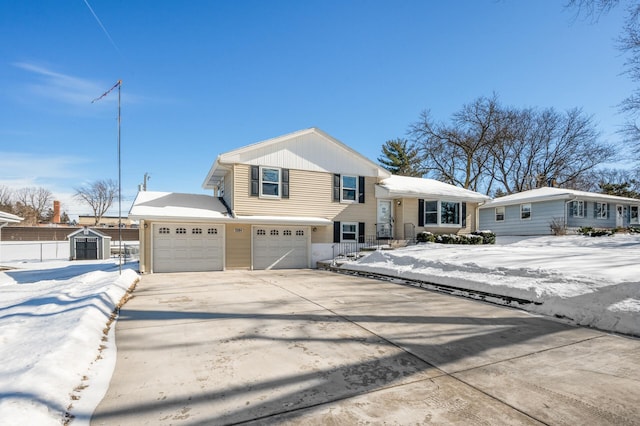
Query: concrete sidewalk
<point x="314" y="347"/>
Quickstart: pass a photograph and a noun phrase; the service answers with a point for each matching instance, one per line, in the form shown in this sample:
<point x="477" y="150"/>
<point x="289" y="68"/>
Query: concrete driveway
<point x="314" y="347"/>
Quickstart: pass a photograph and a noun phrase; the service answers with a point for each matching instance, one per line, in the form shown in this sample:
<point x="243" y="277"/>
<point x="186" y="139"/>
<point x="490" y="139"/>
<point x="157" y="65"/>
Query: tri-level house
<point x="285" y="202"/>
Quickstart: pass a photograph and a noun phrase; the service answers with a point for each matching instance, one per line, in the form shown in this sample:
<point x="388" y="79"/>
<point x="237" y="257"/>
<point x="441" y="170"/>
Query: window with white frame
<point x="525" y="211"/>
<point x="634" y="215"/>
<point x="449" y="213"/>
<point x="442" y="213"/>
<point x="431" y="213"/>
<point x="499" y="214"/>
<point x="602" y="210"/>
<point x="269" y="182"/>
<point x="349" y="231"/>
<point x="576" y="209"/>
<point x="349" y="188"/>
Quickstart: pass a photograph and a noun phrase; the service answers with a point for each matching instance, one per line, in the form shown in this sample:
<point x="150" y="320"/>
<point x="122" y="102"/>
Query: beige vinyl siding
<point x="228" y="189"/>
<point x="238" y="246"/>
<point x="310" y="195"/>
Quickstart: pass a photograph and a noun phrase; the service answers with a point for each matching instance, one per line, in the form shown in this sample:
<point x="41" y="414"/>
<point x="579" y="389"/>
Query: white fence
<point x="16" y="251"/>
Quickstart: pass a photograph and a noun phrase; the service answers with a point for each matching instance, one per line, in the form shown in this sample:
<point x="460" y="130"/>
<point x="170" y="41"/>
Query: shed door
<point x="280" y="247"/>
<point x="188" y="247"/>
<point x="86" y="248"/>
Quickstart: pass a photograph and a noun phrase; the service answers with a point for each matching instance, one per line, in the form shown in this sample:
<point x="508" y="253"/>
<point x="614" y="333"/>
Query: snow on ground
<point x="52" y="320"/>
<point x="53" y="314"/>
<point x="591" y="281"/>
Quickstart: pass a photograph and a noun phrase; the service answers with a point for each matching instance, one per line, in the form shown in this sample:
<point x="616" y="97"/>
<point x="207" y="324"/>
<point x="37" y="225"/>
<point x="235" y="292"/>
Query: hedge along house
<point x="284" y="203"/>
<point x="534" y="212"/>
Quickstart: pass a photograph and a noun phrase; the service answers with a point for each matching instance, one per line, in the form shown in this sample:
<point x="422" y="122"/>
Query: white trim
<point x="342" y="224"/>
<point x="530" y="211"/>
<point x="279" y="183"/>
<point x="356" y="189"/>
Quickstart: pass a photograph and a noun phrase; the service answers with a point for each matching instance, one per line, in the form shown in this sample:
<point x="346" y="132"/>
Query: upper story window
<point x="525" y="211"/>
<point x="499" y="214"/>
<point x="269" y="182"/>
<point x="576" y="209"/>
<point x="349" y="188"/>
<point x="602" y="210"/>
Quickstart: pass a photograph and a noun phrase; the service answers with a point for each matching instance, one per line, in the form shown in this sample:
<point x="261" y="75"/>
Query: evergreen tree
<point x="401" y="158"/>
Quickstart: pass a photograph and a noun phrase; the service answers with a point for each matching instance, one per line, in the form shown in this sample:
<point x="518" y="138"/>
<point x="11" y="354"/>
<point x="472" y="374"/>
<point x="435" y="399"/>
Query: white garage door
<point x="188" y="247"/>
<point x="280" y="247"/>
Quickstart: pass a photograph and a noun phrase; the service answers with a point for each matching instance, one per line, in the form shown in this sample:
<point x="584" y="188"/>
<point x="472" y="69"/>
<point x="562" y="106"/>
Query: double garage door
<point x="201" y="247"/>
<point x="188" y="248"/>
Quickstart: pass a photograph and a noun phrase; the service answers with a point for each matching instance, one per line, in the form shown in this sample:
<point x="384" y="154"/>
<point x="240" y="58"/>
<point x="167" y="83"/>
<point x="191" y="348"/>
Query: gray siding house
<point x="533" y="212"/>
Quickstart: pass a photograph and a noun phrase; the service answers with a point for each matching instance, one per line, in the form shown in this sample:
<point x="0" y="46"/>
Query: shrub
<point x="488" y="237"/>
<point x="588" y="231"/>
<point x="426" y="237"/>
<point x="558" y="227"/>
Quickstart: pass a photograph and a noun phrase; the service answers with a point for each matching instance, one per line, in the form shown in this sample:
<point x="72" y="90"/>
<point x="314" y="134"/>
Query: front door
<point x="619" y="216"/>
<point x="383" y="227"/>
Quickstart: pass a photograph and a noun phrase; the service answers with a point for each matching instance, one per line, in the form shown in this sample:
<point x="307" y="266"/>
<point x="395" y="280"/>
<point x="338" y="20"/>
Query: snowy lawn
<point x="55" y="355"/>
<point x="591" y="281"/>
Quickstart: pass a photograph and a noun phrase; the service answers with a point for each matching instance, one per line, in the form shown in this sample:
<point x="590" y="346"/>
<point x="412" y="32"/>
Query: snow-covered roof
<point x="551" y="193"/>
<point x="6" y="218"/>
<point x="86" y="230"/>
<point x="413" y="187"/>
<point x="173" y="205"/>
<point x="308" y="149"/>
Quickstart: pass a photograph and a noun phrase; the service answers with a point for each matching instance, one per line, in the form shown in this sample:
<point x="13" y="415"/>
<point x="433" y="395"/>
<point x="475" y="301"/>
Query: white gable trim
<point x="309" y="149"/>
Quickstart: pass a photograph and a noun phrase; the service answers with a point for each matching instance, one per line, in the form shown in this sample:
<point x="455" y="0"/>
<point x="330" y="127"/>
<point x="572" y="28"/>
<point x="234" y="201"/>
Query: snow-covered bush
<point x="426" y="237"/>
<point x="488" y="237"/>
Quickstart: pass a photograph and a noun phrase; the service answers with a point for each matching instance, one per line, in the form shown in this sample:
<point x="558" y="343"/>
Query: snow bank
<point x="52" y="318"/>
<point x="591" y="281"/>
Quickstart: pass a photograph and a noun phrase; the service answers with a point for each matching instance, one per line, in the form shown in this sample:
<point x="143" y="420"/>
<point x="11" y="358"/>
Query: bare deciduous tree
<point x="99" y="195"/>
<point x="33" y="202"/>
<point x="6" y="197"/>
<point x="460" y="153"/>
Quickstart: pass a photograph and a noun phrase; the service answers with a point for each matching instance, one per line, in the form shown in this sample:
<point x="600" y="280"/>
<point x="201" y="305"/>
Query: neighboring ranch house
<point x="285" y="202"/>
<point x="532" y="212"/>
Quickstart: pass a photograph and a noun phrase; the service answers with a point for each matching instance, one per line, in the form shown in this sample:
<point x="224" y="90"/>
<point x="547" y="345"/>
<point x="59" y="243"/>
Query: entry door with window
<point x="384" y="228"/>
<point x="619" y="216"/>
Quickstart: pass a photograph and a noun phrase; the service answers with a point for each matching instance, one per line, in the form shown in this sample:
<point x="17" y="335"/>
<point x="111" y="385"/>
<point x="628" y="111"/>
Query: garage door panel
<point x="185" y="247"/>
<point x="280" y="247"/>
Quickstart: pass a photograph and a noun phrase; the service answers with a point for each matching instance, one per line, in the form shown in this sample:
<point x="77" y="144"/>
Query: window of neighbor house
<point x="525" y="211"/>
<point x="634" y="215"/>
<point x="577" y="208"/>
<point x="602" y="211"/>
<point x="499" y="214"/>
<point x="349" y="188"/>
<point x="349" y="231"/>
<point x="270" y="182"/>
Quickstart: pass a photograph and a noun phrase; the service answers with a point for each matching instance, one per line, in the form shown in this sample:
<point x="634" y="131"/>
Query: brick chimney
<point x="56" y="212"/>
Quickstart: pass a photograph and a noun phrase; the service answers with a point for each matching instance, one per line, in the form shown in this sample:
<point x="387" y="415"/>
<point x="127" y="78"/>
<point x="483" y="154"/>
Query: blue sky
<point x="205" y="77"/>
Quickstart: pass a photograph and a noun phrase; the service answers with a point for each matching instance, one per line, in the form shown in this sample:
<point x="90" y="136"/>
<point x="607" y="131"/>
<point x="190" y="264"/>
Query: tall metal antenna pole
<point x="119" y="187"/>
